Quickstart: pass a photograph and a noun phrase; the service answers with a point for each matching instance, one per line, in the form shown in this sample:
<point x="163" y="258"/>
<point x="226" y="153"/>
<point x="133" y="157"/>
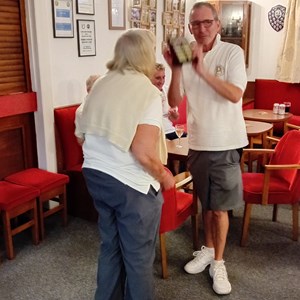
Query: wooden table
<point x="175" y="152"/>
<point x="258" y="129"/>
<point x="254" y="129"/>
<point x="265" y="115"/>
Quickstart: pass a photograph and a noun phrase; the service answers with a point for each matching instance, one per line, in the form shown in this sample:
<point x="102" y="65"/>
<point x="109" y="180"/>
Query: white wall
<point x="59" y="75"/>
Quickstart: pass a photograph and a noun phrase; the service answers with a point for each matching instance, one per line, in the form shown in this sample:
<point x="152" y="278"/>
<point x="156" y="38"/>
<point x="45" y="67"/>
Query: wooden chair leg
<point x="63" y="201"/>
<point x="163" y="253"/>
<point x="41" y="219"/>
<point x="295" y="212"/>
<point x="8" y="236"/>
<point x="246" y="222"/>
<point x="275" y="212"/>
<point x="35" y="226"/>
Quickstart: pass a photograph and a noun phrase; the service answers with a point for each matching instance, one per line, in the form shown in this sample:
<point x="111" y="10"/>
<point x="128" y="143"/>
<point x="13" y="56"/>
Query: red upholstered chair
<point x="177" y="208"/>
<point x="279" y="184"/>
<point x="17" y="200"/>
<point x="52" y="187"/>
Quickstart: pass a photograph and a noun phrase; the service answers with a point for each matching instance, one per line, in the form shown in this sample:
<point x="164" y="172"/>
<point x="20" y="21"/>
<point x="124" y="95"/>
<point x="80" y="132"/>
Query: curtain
<point x="288" y="68"/>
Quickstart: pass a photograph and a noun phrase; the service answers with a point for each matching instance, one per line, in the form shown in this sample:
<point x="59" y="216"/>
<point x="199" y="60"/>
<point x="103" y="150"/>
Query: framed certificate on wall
<point x="86" y="38"/>
<point x="85" y="7"/>
<point x="62" y="12"/>
<point x="116" y="14"/>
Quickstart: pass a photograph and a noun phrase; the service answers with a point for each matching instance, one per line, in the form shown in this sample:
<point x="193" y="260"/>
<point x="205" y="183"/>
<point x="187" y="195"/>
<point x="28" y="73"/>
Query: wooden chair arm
<point x="257" y="151"/>
<point x="292" y="126"/>
<point x="268" y="170"/>
<point x="183" y="179"/>
<point x="282" y="167"/>
<point x="264" y="153"/>
<point x="272" y="139"/>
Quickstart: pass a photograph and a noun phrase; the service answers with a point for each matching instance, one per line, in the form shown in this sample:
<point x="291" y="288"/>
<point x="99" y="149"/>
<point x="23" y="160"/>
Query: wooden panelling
<point x="17" y="104"/>
<point x="17" y="144"/>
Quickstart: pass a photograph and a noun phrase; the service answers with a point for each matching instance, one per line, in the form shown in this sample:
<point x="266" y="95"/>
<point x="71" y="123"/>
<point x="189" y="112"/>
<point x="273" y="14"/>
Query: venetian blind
<point x="14" y="64"/>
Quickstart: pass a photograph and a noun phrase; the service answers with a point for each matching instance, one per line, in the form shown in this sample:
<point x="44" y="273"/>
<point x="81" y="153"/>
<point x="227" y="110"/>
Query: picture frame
<point x="62" y="12"/>
<point x="86" y="37"/>
<point x="152" y="16"/>
<point x="135" y="14"/>
<point x="152" y="28"/>
<point x="175" y="19"/>
<point x="168" y="5"/>
<point x="145" y="15"/>
<point x="135" y="24"/>
<point x="182" y="6"/>
<point x="167" y="18"/>
<point x="145" y="2"/>
<point x="167" y="32"/>
<point x="116" y="14"/>
<point x="136" y="3"/>
<point x="85" y="7"/>
<point x="152" y="4"/>
<point x="175" y="4"/>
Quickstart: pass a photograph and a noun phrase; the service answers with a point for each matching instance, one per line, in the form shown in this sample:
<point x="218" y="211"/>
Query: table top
<point x="178" y="153"/>
<point x="265" y="115"/>
<point x="255" y="128"/>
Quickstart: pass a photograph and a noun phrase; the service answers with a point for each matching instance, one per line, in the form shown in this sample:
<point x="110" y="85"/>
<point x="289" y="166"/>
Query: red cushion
<point x="41" y="179"/>
<point x="253" y="185"/>
<point x="12" y="195"/>
<point x="295" y="120"/>
<point x="64" y="121"/>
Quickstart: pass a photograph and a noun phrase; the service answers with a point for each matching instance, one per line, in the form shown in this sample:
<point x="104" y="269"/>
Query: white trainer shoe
<point x="202" y="259"/>
<point x="218" y="273"/>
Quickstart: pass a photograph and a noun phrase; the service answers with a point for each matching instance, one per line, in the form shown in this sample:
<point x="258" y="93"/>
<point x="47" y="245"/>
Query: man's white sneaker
<point x="202" y="259"/>
<point x="218" y="273"/>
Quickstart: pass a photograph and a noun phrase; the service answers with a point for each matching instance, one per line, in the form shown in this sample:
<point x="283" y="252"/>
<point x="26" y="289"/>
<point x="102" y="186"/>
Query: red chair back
<point x="71" y="151"/>
<point x="287" y="151"/>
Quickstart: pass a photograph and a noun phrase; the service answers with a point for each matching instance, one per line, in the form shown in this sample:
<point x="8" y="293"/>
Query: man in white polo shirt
<point x="214" y="83"/>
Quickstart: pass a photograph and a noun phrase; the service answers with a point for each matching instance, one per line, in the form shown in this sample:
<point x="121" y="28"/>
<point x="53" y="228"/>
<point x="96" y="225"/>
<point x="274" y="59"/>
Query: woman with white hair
<point x="124" y="152"/>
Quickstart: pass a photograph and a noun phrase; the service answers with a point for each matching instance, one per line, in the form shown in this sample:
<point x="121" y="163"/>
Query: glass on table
<point x="179" y="129"/>
<point x="287" y="106"/>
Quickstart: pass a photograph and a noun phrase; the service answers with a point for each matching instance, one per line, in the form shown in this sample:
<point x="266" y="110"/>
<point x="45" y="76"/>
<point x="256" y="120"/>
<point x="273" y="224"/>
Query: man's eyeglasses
<point x="205" y="23"/>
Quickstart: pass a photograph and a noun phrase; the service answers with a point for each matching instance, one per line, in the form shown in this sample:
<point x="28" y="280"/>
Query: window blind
<point x="14" y="63"/>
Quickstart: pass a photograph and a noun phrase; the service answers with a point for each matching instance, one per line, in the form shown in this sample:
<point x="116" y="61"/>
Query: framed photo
<point x="86" y="37"/>
<point x="175" y="4"/>
<point x="85" y="7"/>
<point x="167" y="18"/>
<point x="181" y="31"/>
<point x="153" y="28"/>
<point x="181" y="19"/>
<point x="116" y="14"/>
<point x="62" y="11"/>
<point x="152" y="4"/>
<point x="136" y="2"/>
<point x="182" y="6"/>
<point x="135" y="24"/>
<point x="152" y="16"/>
<point x="168" y="5"/>
<point x="167" y="32"/>
<point x="175" y="20"/>
<point x="145" y="2"/>
<point x="145" y="15"/>
<point x="135" y="14"/>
